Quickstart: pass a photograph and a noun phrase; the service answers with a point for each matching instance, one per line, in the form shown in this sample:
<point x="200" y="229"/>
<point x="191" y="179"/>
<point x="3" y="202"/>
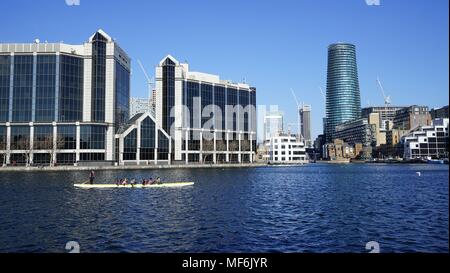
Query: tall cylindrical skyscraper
<point x="343" y="100"/>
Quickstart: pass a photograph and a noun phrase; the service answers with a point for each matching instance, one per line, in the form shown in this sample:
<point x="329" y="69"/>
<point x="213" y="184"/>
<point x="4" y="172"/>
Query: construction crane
<point x="323" y="94"/>
<point x="150" y="81"/>
<point x="387" y="102"/>
<point x="298" y="113"/>
<point x="387" y="99"/>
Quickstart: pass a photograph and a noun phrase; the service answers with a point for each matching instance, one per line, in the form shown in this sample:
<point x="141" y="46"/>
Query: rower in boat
<point x="91" y="177"/>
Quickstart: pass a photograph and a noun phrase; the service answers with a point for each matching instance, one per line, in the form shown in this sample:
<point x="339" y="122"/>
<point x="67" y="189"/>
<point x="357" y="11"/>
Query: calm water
<point x="314" y="208"/>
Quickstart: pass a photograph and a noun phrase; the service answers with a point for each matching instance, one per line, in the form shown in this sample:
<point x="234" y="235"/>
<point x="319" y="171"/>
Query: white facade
<point x="285" y="148"/>
<point x="179" y="130"/>
<point x="114" y="56"/>
<point x="428" y="141"/>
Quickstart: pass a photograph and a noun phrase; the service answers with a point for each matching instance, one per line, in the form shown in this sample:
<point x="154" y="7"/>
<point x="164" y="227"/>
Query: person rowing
<point x="158" y="180"/>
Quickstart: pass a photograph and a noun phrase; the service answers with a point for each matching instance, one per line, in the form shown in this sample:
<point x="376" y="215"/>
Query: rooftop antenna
<point x="150" y="81"/>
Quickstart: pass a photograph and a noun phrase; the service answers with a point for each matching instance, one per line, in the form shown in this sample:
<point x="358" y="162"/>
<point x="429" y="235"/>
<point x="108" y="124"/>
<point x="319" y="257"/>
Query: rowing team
<point x="145" y="181"/>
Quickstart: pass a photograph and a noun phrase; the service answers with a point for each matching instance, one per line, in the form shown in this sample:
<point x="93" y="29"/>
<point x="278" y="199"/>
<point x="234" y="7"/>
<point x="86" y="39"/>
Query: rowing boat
<point x="106" y="186"/>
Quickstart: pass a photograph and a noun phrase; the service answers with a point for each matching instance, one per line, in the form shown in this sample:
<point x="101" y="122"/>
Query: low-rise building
<point x="427" y="141"/>
<point x="286" y="148"/>
<point x="412" y="117"/>
<point x="442" y="112"/>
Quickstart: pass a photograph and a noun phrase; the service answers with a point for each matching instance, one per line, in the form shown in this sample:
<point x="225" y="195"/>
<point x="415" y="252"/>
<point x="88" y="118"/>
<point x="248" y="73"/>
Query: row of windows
<point x="91" y="137"/>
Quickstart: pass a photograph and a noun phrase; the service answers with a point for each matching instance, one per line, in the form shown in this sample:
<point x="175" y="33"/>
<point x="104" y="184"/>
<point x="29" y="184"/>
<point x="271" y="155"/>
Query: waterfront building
<point x="343" y="102"/>
<point x="62" y="103"/>
<point x="305" y="127"/>
<point x="140" y="105"/>
<point x="208" y="119"/>
<point x="427" y="141"/>
<point x="273" y="124"/>
<point x="387" y="114"/>
<point x="442" y="112"/>
<point x="412" y="117"/>
<point x="357" y="131"/>
<point x="286" y="148"/>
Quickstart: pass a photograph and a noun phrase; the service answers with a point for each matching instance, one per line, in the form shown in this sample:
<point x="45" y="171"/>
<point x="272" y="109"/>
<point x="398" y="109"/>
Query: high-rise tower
<point x="343" y="101"/>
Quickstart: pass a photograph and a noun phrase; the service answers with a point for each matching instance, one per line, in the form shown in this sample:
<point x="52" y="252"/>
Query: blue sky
<point x="274" y="45"/>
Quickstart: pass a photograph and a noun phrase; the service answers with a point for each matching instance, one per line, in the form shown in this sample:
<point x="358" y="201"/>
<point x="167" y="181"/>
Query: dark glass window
<point x="71" y="88"/>
<point x="244" y="102"/>
<point x="207" y="100"/>
<point x="92" y="137"/>
<point x="2" y="138"/>
<point x="147" y="151"/>
<point x="65" y="159"/>
<point x="168" y="94"/>
<point x="130" y="146"/>
<point x="43" y="137"/>
<point x="68" y="133"/>
<point x="45" y="88"/>
<point x="20" y="137"/>
<point x="98" y="77"/>
<point x="23" y="88"/>
<point x="220" y="101"/>
<point x="122" y="95"/>
<point x="92" y="156"/>
<point x="5" y="67"/>
<point x="232" y="101"/>
<point x="163" y="146"/>
<point x="192" y="98"/>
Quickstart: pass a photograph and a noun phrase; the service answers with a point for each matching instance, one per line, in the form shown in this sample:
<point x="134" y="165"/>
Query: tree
<point x="23" y="144"/>
<point x="50" y="146"/>
<point x="207" y="146"/>
<point x="4" y="155"/>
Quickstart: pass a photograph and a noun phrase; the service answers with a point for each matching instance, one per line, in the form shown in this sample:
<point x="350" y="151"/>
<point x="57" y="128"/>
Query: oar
<point x="85" y="182"/>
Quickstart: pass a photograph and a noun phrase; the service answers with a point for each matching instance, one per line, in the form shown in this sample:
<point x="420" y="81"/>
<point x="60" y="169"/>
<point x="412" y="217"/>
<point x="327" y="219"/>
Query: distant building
<point x="387" y="114"/>
<point x="339" y="150"/>
<point x="285" y="148"/>
<point x="442" y="112"/>
<point x="273" y="124"/>
<point x="153" y="101"/>
<point x="318" y="145"/>
<point x="343" y="101"/>
<point x="305" y="118"/>
<point x="412" y="117"/>
<point x="140" y="105"/>
<point x="428" y="141"/>
<point x="357" y="131"/>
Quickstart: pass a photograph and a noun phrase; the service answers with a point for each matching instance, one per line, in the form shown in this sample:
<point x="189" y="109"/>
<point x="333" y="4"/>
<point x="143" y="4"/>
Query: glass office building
<point x="62" y="103"/>
<point x="343" y="102"/>
<point x="208" y="119"/>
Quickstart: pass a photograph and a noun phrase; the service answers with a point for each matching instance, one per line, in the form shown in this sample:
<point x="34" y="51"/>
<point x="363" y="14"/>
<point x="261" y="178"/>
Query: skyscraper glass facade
<point x="343" y="102"/>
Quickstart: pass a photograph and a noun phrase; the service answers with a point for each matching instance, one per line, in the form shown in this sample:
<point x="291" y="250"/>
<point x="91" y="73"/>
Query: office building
<point x="273" y="124"/>
<point x="208" y="119"/>
<point x="356" y="131"/>
<point x="387" y="114"/>
<point x="305" y="128"/>
<point x="442" y="112"/>
<point x="343" y="102"/>
<point x="286" y="148"/>
<point x="62" y="103"/>
<point x="427" y="141"/>
<point x="412" y="117"/>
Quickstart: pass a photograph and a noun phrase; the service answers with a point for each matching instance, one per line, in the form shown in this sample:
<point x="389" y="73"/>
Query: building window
<point x="5" y="67"/>
<point x="43" y="137"/>
<point x="92" y="137"/>
<point x="68" y="134"/>
<point x="45" y="88"/>
<point x="130" y="146"/>
<point x="71" y="88"/>
<point x="122" y="95"/>
<point x="147" y="151"/>
<point x="23" y="88"/>
<point x="20" y="137"/>
<point x="98" y="77"/>
<point x="168" y="93"/>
